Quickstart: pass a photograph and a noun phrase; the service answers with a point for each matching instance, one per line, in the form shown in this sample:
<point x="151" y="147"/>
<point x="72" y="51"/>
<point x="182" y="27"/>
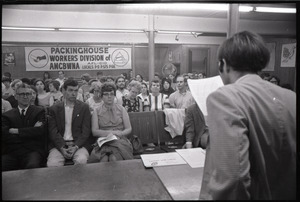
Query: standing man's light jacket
<point x="252" y="145"/>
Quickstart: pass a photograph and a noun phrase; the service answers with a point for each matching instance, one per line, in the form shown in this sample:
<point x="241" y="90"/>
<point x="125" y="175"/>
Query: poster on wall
<point x="9" y="59"/>
<point x="288" y="55"/>
<point x="271" y="64"/>
<point x="77" y="58"/>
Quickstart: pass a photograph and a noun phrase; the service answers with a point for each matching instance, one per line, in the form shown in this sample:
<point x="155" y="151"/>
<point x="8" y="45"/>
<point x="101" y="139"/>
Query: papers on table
<point x="201" y="88"/>
<point x="163" y="159"/>
<point x="195" y="157"/>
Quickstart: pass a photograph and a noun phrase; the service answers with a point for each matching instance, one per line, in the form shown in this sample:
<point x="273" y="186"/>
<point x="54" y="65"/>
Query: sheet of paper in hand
<point x="109" y="137"/>
<point x="201" y="88"/>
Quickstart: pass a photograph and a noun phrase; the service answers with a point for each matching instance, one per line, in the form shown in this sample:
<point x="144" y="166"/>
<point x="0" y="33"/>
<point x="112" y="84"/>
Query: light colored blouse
<point x="110" y="118"/>
<point x="44" y="100"/>
<point x="93" y="105"/>
<point x="5" y="106"/>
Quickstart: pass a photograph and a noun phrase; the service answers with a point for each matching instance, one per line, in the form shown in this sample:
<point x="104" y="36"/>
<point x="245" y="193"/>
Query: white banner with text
<point x="77" y="58"/>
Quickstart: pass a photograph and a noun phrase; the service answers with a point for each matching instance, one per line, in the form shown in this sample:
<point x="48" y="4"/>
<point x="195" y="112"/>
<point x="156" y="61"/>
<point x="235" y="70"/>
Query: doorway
<point x="198" y="60"/>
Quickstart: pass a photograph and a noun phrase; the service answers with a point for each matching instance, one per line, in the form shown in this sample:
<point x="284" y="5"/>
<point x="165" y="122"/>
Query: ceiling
<point x="169" y="9"/>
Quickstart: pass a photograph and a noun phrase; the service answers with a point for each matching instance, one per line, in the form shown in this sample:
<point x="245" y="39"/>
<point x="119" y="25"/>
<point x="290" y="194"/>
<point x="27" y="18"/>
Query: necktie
<point x="23" y="113"/>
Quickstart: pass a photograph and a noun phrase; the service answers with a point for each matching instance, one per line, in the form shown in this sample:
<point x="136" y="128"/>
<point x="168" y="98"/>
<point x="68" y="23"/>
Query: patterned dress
<point x="131" y="105"/>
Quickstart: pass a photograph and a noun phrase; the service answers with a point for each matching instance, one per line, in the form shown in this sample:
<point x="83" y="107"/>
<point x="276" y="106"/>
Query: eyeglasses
<point x="108" y="94"/>
<point x="23" y="94"/>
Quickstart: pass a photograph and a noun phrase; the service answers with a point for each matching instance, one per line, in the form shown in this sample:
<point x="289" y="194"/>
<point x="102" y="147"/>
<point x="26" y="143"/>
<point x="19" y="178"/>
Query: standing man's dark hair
<point x="251" y="152"/>
<point x="245" y="51"/>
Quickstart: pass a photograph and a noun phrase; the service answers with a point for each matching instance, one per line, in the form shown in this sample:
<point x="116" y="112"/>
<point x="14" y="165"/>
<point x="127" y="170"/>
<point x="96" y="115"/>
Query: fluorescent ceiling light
<point x="172" y="32"/>
<point x="180" y="6"/>
<point x="245" y="8"/>
<point x="275" y="10"/>
<point x="195" y="34"/>
<point x="100" y="30"/>
<point x="29" y="28"/>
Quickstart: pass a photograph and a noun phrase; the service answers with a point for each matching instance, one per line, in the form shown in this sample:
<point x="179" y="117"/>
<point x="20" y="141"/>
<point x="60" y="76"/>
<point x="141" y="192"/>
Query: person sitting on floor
<point x="23" y="135"/>
<point x="110" y="119"/>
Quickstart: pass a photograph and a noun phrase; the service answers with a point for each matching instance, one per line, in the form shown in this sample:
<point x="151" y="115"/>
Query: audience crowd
<point x="61" y="99"/>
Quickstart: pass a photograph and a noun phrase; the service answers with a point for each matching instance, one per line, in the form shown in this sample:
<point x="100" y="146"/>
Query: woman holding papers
<point x="111" y="125"/>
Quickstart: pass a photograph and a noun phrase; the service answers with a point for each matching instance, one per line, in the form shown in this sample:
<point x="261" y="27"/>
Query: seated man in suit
<point x="195" y="129"/>
<point x="23" y="139"/>
<point x="69" y="128"/>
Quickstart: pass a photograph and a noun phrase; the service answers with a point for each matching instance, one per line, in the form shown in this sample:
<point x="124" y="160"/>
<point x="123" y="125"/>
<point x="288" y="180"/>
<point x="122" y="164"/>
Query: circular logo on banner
<point x="38" y="58"/>
<point x="120" y="57"/>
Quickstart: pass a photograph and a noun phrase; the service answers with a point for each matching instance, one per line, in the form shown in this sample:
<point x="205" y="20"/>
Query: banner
<point x="77" y="58"/>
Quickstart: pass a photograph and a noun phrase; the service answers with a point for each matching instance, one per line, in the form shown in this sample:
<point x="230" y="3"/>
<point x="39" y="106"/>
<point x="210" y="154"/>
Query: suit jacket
<point x="81" y="125"/>
<point x="194" y="126"/>
<point x="252" y="142"/>
<point x="29" y="137"/>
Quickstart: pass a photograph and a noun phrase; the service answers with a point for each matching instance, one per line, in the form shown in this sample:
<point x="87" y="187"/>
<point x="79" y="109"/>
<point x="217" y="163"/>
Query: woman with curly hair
<point x="131" y="101"/>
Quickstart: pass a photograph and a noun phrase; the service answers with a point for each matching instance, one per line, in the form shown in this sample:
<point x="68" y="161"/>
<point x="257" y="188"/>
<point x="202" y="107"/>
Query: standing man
<point x="121" y="90"/>
<point x="23" y="136"/>
<point x="252" y="128"/>
<point x="69" y="128"/>
<point x="61" y="78"/>
<point x="181" y="99"/>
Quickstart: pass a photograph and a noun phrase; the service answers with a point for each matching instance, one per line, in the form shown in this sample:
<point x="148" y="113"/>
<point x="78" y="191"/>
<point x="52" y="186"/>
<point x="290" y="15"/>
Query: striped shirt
<point x="157" y="102"/>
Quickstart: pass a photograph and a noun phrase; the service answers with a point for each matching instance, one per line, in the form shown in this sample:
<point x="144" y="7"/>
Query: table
<point x="121" y="180"/>
<point x="182" y="181"/>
